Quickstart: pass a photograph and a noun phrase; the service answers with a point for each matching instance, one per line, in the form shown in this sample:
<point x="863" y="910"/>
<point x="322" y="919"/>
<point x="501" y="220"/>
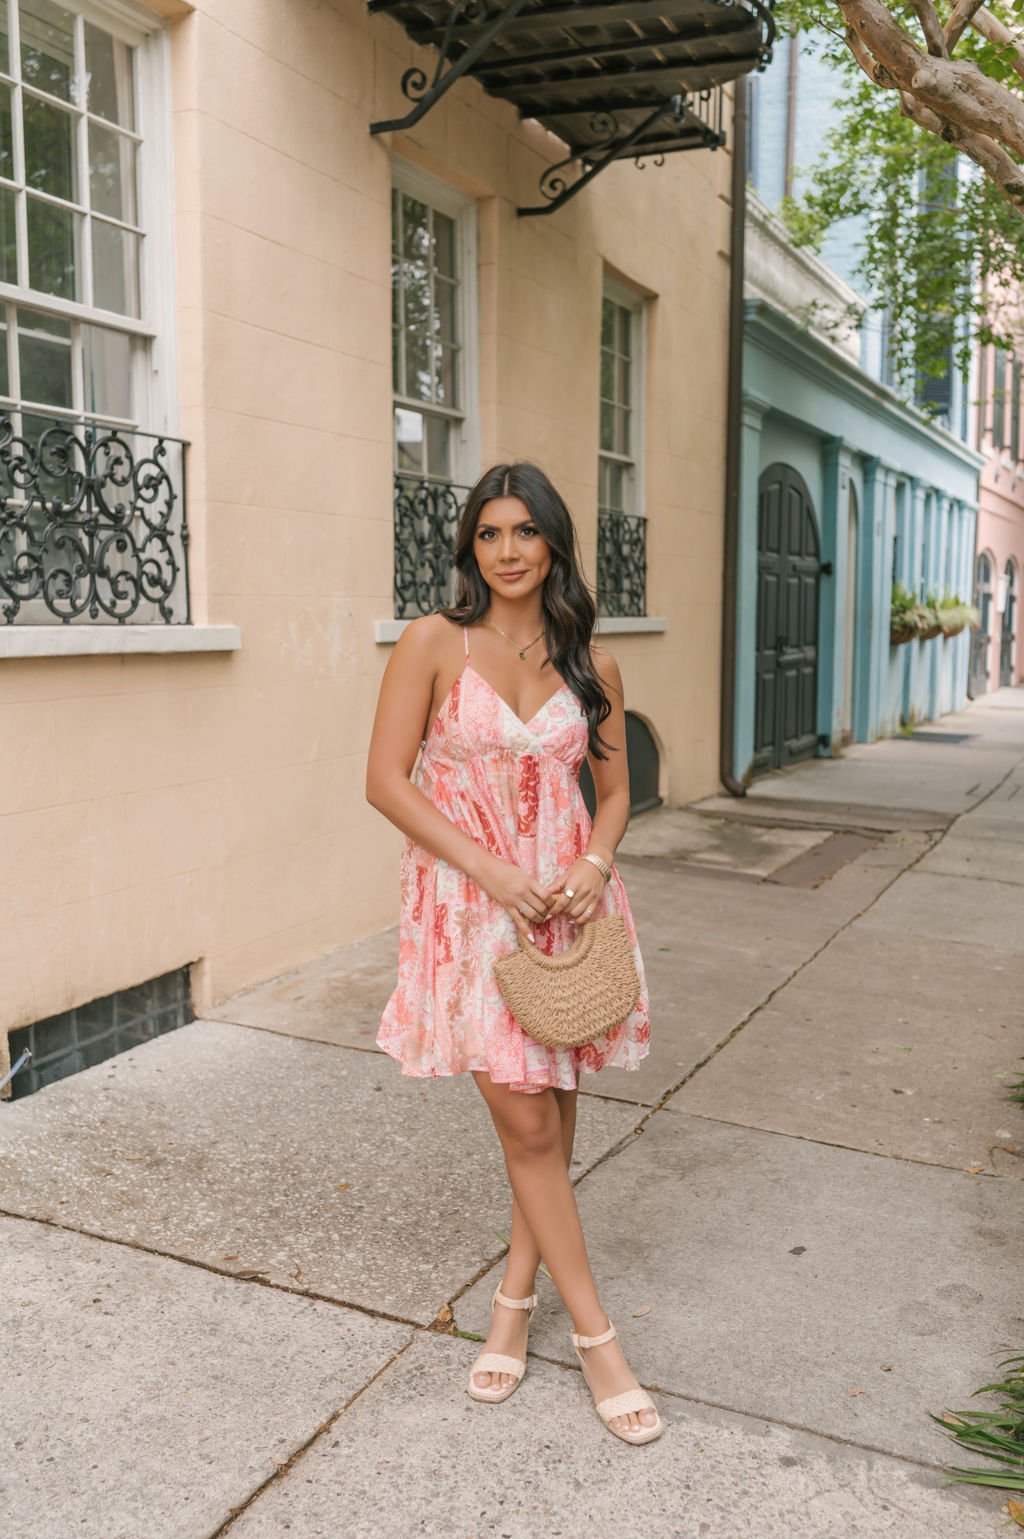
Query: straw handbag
<point x="569" y="999"/>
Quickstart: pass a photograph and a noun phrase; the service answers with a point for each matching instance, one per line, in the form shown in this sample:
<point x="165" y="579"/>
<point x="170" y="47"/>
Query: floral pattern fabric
<point x="513" y="786"/>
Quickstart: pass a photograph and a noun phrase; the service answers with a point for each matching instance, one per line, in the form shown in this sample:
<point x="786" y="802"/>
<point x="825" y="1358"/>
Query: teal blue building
<point x="844" y="486"/>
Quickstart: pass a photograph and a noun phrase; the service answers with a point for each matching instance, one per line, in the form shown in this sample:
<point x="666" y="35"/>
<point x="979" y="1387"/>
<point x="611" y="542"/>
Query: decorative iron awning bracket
<point x="494" y="16"/>
<point x="616" y="145"/>
<point x="596" y="156"/>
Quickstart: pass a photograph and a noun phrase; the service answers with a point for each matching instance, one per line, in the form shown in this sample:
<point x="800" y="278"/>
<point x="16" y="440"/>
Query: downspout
<point x="733" y="438"/>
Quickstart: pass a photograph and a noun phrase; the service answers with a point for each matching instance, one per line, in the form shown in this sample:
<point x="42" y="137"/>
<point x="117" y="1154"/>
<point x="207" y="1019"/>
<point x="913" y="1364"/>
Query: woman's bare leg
<point x="510" y="1327"/>
<point x="530" y="1130"/>
<point x="523" y="1256"/>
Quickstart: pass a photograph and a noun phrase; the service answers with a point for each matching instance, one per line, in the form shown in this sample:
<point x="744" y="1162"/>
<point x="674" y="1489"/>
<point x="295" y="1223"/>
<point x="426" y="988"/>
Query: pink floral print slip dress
<point x="513" y="786"/>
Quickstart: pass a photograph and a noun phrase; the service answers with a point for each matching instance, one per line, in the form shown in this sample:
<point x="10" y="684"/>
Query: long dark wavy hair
<point x="568" y="605"/>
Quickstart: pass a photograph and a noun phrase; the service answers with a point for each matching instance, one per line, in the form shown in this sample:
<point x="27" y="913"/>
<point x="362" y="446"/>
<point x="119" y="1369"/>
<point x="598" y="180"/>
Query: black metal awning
<point x="615" y="80"/>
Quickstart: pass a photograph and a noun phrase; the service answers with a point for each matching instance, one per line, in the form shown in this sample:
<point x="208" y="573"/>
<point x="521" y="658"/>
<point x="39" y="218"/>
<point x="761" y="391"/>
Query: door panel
<point x="978" y="667"/>
<point x="788" y="566"/>
<point x="1008" y="633"/>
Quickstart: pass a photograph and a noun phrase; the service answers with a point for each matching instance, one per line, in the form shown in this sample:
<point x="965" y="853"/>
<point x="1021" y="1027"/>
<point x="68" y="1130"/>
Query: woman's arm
<point x="611" y="775"/>
<point x="403" y="708"/>
<point x="611" y="782"/>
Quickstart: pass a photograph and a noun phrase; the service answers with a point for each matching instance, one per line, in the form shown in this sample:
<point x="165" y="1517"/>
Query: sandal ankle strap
<point x="528" y="1303"/>
<point x="595" y="1341"/>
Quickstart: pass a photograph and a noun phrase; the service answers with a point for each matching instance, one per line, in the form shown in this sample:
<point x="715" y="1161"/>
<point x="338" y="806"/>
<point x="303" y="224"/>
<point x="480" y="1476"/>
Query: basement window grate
<point x="88" y="1034"/>
<point x="942" y="737"/>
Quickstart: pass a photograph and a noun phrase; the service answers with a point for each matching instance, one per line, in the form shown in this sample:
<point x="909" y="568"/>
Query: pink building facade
<point x="997" y="655"/>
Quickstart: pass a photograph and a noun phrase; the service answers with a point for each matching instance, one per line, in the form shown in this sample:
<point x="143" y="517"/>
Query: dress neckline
<point x="501" y="698"/>
<point x="468" y="666"/>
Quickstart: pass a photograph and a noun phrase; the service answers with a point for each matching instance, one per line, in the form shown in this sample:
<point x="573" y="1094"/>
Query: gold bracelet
<point x="602" y="866"/>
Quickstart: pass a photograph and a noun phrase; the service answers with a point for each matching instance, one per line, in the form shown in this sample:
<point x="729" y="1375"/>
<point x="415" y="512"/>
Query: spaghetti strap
<point x="465" y="640"/>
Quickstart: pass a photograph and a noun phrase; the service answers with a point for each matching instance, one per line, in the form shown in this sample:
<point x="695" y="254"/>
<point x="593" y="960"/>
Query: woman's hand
<point x="578" y="892"/>
<point x="522" y="895"/>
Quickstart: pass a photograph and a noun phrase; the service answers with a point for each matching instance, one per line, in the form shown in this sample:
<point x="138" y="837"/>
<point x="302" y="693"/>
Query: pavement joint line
<point x="826" y="1143"/>
<point x="821" y="823"/>
<point x="208" y="1266"/>
<point x="969" y="876"/>
<point x="281" y="1031"/>
<point x="761" y="1416"/>
<point x="614" y="1100"/>
<point x="991" y="791"/>
<point x="293" y="1458"/>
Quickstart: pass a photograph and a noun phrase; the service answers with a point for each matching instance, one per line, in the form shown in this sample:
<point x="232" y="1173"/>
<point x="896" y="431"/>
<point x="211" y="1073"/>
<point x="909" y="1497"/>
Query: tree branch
<point x="999" y="167"/>
<point x="931" y="27"/>
<point x="992" y="29"/>
<point x="959" y="90"/>
<point x="955" y="89"/>
<point x="960" y="17"/>
<point x="867" y="61"/>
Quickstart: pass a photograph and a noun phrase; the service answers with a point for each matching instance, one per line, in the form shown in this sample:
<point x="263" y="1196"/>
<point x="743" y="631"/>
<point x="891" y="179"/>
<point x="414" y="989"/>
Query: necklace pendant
<point x="522" y="656"/>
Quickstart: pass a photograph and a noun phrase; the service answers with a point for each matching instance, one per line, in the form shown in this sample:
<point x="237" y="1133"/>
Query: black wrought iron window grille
<point x="426" y="517"/>
<point x="93" y="524"/>
<point x="621" y="563"/>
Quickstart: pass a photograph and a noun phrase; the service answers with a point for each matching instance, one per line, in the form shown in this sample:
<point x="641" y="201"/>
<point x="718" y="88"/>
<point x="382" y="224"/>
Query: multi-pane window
<point x="70" y="232"/>
<point x="427" y="341"/>
<point x="999" y="359"/>
<point x="621" y="526"/>
<point x="617" y="466"/>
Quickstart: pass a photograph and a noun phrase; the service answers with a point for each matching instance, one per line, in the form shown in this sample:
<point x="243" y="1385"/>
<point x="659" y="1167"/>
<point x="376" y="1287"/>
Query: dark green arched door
<point x="788" y="572"/>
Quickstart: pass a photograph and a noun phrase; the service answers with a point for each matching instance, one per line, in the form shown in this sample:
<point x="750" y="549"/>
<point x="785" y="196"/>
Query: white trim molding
<point x="115" y="640"/>
<point x="387" y="632"/>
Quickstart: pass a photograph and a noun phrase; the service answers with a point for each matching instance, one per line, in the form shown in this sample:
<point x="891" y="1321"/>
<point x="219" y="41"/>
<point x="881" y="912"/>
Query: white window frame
<point x="462" y="208"/>
<point x="154" y="380"/>
<point x="636" y="304"/>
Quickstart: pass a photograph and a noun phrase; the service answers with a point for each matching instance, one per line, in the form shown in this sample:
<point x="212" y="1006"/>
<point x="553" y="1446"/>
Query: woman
<point x="506" y="695"/>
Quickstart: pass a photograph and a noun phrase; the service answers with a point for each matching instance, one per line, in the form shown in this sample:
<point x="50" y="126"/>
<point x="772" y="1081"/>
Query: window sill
<point x="386" y="632"/>
<point x="85" y="640"/>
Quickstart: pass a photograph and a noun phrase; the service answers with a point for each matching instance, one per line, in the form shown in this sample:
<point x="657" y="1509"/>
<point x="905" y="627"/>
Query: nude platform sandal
<point x="619" y="1405"/>
<point x="498" y="1362"/>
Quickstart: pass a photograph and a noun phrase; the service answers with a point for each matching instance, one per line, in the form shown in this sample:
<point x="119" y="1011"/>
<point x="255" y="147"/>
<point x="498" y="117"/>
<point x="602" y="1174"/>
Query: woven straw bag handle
<point x="572" y="956"/>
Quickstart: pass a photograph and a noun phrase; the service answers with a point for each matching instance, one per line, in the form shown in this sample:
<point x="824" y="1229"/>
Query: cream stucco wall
<point x="209" y="809"/>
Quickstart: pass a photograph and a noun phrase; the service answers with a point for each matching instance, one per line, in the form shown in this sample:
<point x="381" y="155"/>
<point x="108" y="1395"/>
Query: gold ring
<point x="569" y="893"/>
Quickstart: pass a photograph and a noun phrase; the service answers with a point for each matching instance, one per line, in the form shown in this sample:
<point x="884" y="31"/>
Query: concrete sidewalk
<point x="235" y="1259"/>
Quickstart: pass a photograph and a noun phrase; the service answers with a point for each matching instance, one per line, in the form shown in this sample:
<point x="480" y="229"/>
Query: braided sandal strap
<point x="497" y="1362"/>
<point x="595" y="1341"/>
<point x="621" y="1405"/>
<point x="499" y="1298"/>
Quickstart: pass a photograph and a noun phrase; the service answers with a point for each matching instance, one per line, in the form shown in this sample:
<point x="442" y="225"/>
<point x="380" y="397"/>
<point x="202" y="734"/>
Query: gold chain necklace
<point x="521" y="650"/>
